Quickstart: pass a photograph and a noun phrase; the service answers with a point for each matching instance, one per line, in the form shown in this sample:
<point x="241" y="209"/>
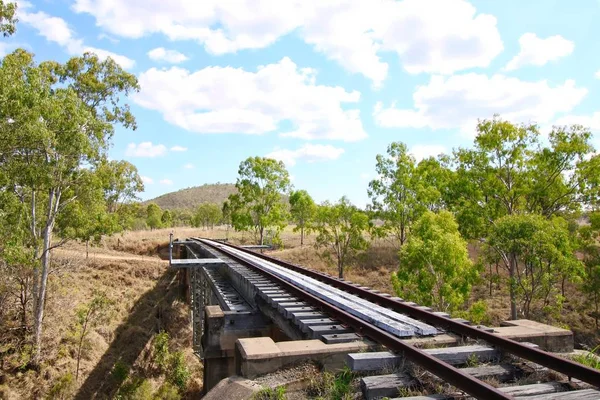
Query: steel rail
<point x="560" y="364"/>
<point x="447" y="372"/>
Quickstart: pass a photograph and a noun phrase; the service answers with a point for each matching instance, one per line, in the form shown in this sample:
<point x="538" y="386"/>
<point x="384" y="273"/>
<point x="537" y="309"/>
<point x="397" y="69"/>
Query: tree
<point x="90" y="315"/>
<point x="394" y="195"/>
<point x="303" y="209"/>
<point x="207" y="215"/>
<point x="154" y="216"/>
<point x="435" y="269"/>
<point x="537" y="252"/>
<point x="340" y="231"/>
<point x="56" y="123"/>
<point x="258" y="204"/>
<point x="166" y="219"/>
<point x="7" y="18"/>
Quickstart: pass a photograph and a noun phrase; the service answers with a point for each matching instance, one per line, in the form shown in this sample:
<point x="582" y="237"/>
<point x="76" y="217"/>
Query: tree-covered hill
<point x="190" y="198"/>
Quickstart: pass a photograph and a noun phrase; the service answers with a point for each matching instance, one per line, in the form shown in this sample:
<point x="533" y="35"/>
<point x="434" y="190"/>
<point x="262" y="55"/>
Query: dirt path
<point x="63" y="253"/>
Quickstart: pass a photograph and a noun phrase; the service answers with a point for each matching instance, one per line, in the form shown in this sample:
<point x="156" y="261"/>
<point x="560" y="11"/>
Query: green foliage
<point x="270" y="394"/>
<point x="591" y="359"/>
<point x="435" y="269"/>
<point x="207" y="215"/>
<point x="120" y="372"/>
<point x="332" y="387"/>
<point x="8" y="18"/>
<point x="538" y="253"/>
<point x="340" y="231"/>
<point x="63" y="389"/>
<point x="167" y="391"/>
<point x="303" y="210"/>
<point x="258" y="204"/>
<point x="135" y="388"/>
<point x="393" y="195"/>
<point x="161" y="353"/>
<point x="178" y="373"/>
<point x="154" y="216"/>
<point x="56" y="124"/>
<point x="478" y="313"/>
<point x="166" y="219"/>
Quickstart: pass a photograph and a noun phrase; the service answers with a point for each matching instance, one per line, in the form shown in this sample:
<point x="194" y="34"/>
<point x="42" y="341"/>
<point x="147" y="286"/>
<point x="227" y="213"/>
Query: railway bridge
<point x="253" y="315"/>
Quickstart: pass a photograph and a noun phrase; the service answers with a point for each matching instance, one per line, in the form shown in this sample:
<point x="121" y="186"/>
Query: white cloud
<point x="166" y="182"/>
<point x="147" y="180"/>
<point x="169" y="56"/>
<point x="538" y="51"/>
<point x="309" y="153"/>
<point x="56" y="30"/>
<point x="189" y="166"/>
<point x="589" y="121"/>
<point x="432" y="36"/>
<point x="421" y="151"/>
<point x="179" y="148"/>
<point x="145" y="149"/>
<point x="458" y="101"/>
<point x="232" y="100"/>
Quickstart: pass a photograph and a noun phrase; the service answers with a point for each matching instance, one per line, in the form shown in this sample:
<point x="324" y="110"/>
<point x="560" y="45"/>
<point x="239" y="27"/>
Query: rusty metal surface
<point x="560" y="364"/>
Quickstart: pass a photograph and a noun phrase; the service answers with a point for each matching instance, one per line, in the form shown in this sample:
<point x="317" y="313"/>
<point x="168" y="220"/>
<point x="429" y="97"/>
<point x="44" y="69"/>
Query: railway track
<point x="383" y="319"/>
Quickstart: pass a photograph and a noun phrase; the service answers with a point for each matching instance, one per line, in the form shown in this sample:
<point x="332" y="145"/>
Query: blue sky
<point x="323" y="85"/>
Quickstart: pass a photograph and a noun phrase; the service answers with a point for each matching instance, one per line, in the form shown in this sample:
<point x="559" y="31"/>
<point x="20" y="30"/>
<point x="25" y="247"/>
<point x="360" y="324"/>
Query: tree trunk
<point x="302" y="235"/>
<point x="53" y="199"/>
<point x="513" y="296"/>
<point x="341" y="268"/>
<point x="87" y="253"/>
<point x="261" y="232"/>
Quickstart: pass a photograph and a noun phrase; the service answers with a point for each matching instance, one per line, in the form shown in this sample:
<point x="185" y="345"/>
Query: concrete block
<point x="385" y="385"/>
<point x="304" y="324"/>
<point x="340" y="338"/>
<point x="316" y="332"/>
<point x="233" y="388"/>
<point x="549" y="338"/>
<point x="304" y="315"/>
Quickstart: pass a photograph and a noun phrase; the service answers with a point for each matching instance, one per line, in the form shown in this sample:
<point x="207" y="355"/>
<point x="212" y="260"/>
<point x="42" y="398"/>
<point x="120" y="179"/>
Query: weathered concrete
<point x="259" y="356"/>
<point x="340" y="338"/>
<point x="378" y="361"/>
<point x="233" y="388"/>
<point x="221" y="331"/>
<point x="374" y="387"/>
<point x="548" y="337"/>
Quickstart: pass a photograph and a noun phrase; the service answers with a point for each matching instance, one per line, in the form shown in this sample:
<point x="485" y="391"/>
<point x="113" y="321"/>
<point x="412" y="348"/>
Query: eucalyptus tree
<point x="8" y="18"/>
<point x="258" y="204"/>
<point x="341" y="230"/>
<point x="435" y="269"/>
<point x="303" y="209"/>
<point x="56" y="124"/>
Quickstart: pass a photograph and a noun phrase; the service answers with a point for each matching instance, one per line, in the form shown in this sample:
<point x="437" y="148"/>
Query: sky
<point x="323" y="85"/>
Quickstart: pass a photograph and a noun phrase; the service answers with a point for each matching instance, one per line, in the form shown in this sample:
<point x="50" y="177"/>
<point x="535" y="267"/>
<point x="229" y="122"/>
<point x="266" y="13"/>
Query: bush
<point x="63" y="388"/>
<point x="161" y="351"/>
<point x="120" y="372"/>
<point x="167" y="391"/>
<point x="135" y="389"/>
<point x="329" y="386"/>
<point x="178" y="373"/>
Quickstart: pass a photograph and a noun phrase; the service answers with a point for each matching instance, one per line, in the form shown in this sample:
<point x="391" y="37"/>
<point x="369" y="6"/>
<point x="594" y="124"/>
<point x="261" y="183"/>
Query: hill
<point x="190" y="198"/>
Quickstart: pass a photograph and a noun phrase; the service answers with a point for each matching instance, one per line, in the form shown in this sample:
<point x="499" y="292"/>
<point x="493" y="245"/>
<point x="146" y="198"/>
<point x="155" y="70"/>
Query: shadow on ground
<point x="131" y="338"/>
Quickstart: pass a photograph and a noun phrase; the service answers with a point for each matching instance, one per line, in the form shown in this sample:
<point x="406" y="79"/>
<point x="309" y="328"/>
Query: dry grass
<point x="146" y="300"/>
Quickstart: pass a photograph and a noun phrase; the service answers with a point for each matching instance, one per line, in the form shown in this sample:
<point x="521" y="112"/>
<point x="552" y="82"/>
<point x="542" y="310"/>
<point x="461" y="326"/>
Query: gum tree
<point x="56" y="124"/>
<point x="303" y="209"/>
<point x="258" y="204"/>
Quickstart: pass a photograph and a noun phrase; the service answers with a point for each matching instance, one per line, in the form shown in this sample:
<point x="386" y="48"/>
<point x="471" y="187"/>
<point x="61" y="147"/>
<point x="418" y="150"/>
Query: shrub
<point x="167" y="391"/>
<point x="120" y="372"/>
<point x="63" y="388"/>
<point x="161" y="351"/>
<point x="178" y="373"/>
